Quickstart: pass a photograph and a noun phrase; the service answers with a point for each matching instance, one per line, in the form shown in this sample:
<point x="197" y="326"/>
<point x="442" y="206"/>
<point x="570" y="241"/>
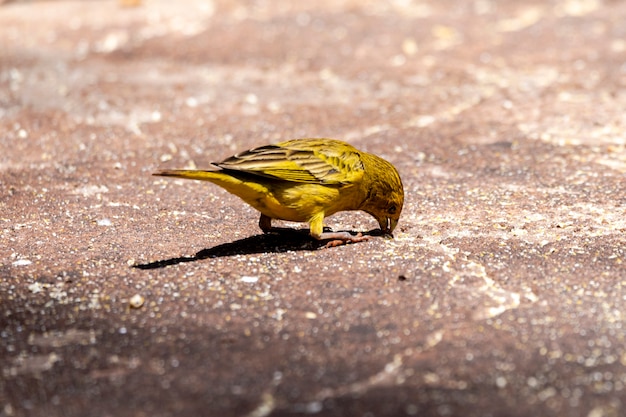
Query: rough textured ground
<point x="503" y="293"/>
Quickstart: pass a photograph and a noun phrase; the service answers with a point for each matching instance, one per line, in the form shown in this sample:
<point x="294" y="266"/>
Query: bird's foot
<point x="342" y="238"/>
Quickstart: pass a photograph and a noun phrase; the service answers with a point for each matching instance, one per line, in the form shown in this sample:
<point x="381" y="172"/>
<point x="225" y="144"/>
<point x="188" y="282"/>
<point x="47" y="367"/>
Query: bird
<point x="306" y="180"/>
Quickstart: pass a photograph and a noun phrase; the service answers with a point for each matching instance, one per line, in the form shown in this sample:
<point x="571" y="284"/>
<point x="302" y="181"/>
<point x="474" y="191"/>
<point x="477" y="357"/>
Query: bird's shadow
<point x="279" y="240"/>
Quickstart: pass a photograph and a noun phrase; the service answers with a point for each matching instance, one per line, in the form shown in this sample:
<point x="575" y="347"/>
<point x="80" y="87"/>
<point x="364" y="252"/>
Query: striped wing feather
<point x="306" y="161"/>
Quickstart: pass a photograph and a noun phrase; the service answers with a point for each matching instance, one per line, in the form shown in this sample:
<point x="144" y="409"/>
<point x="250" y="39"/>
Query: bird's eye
<point x="392" y="209"/>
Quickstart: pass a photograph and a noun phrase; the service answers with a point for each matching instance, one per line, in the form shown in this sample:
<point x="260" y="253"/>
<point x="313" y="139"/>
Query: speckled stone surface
<point x="502" y="294"/>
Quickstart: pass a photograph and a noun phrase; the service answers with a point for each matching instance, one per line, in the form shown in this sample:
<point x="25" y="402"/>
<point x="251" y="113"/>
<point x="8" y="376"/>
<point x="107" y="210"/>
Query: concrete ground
<point x="502" y="294"/>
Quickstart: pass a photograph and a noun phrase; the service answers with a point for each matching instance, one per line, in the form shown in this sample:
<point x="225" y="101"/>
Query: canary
<point x="306" y="180"/>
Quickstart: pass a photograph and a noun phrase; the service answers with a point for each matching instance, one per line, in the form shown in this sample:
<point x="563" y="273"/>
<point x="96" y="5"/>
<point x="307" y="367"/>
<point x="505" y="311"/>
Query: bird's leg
<point x="265" y="223"/>
<point x="334" y="238"/>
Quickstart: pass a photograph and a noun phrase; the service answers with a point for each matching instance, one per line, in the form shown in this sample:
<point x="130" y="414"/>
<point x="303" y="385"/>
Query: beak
<point x="387" y="225"/>
<point x="392" y="225"/>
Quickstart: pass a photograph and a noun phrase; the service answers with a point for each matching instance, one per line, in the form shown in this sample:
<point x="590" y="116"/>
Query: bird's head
<point x="385" y="197"/>
<point x="386" y="210"/>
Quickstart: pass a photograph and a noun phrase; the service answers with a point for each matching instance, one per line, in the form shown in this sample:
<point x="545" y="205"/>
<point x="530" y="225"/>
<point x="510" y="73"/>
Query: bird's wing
<point x="315" y="161"/>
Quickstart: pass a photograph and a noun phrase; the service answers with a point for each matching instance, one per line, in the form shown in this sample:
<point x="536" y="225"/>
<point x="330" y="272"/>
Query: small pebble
<point x="136" y="301"/>
<point x="104" y="222"/>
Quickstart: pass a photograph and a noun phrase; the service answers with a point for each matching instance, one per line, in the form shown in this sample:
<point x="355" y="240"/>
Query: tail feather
<point x="191" y="174"/>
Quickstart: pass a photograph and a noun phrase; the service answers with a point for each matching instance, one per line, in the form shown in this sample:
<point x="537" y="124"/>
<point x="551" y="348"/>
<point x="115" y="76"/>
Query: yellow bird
<point x="306" y="180"/>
